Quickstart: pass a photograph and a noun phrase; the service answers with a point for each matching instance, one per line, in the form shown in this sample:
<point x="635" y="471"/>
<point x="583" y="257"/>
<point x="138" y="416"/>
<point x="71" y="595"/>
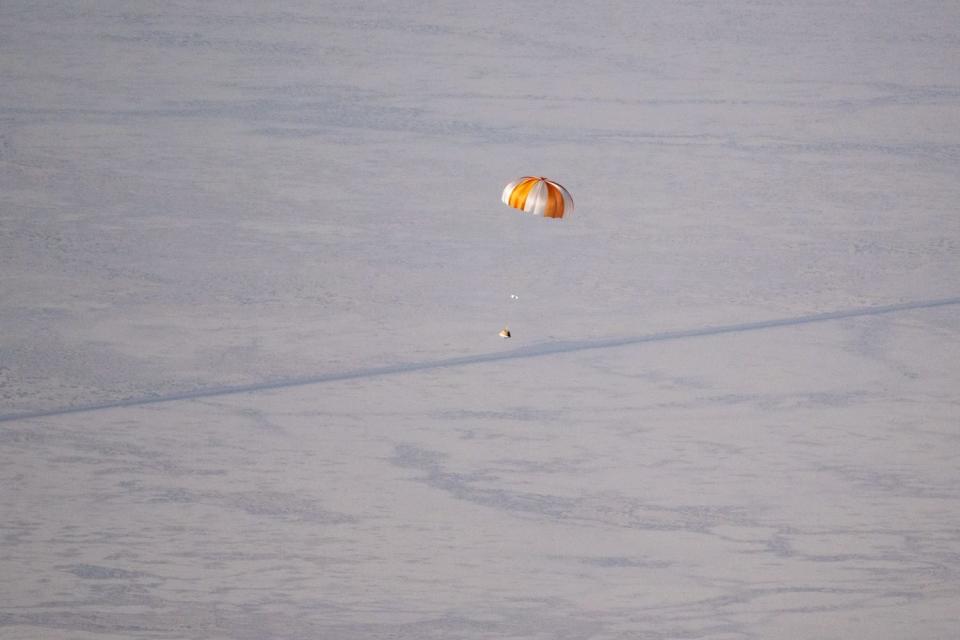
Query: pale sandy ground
<point x="210" y="195"/>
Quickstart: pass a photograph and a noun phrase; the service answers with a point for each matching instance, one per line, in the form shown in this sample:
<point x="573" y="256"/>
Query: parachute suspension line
<point x="505" y="332"/>
<point x="511" y="264"/>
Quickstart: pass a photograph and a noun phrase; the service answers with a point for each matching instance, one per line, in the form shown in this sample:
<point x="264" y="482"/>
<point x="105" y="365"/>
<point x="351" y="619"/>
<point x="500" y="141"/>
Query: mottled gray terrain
<point x="253" y="264"/>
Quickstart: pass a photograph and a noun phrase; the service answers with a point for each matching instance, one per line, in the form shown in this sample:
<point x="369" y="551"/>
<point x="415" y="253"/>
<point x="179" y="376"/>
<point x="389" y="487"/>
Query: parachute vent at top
<point x="538" y="196"/>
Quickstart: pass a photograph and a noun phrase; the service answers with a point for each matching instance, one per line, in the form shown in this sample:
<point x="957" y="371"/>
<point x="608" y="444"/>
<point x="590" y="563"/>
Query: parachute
<point x="538" y="196"/>
<point x="541" y="197"/>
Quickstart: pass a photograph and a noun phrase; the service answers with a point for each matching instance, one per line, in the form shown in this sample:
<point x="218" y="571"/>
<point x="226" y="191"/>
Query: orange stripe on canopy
<point x="518" y="198"/>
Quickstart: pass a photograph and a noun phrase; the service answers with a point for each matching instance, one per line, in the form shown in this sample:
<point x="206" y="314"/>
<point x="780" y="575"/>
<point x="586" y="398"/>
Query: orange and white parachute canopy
<point x="538" y="196"/>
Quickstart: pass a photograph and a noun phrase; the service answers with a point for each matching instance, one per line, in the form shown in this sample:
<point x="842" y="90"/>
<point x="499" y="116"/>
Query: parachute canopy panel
<point x="538" y="196"/>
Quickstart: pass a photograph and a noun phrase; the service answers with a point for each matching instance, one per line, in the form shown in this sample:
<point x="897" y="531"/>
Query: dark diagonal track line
<point x="534" y="351"/>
